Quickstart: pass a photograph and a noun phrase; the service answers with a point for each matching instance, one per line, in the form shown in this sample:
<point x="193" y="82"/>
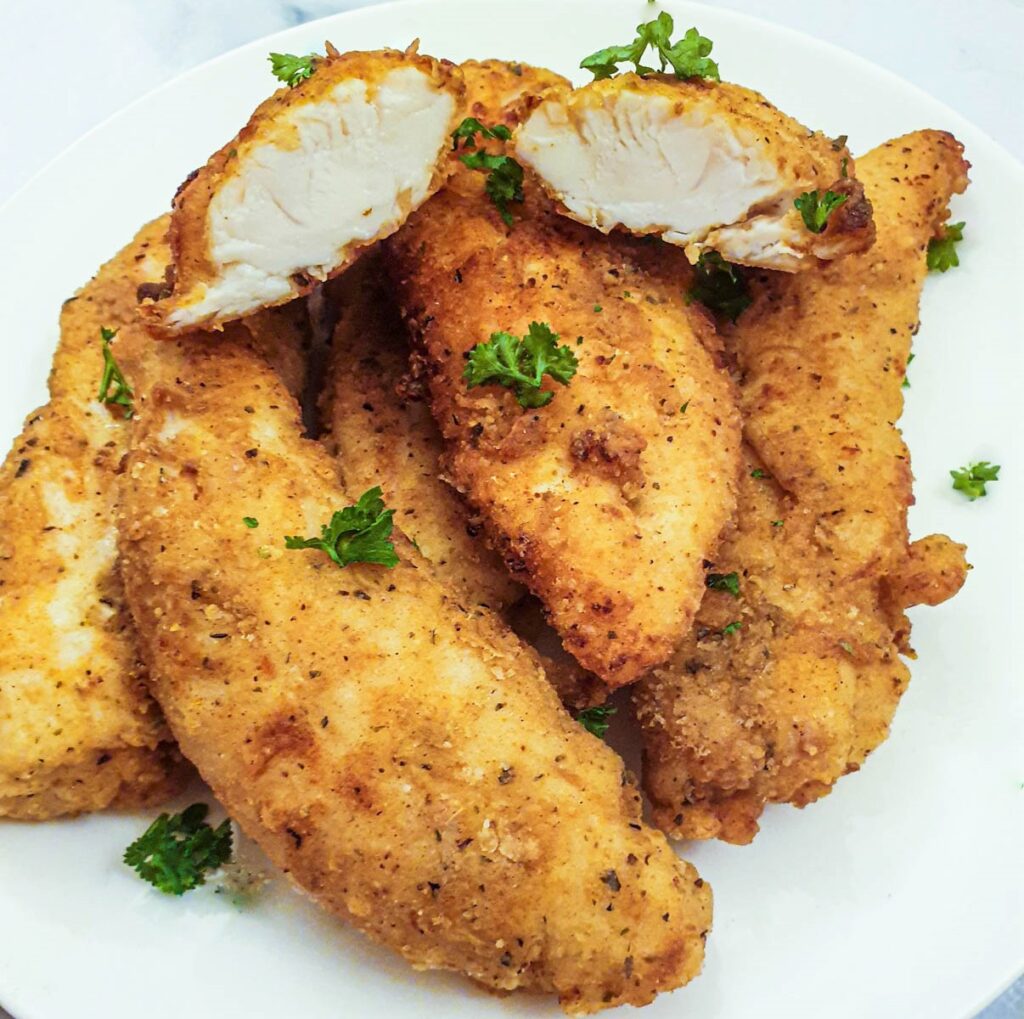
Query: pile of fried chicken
<point x="707" y="501"/>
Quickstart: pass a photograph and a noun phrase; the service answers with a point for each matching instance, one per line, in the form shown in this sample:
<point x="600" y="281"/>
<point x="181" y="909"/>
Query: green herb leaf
<point x="290" y="69"/>
<point x="688" y="57"/>
<point x="250" y="522"/>
<point x="776" y="523"/>
<point x="356" y="534"/>
<point x="504" y="179"/>
<point x="175" y="852"/>
<point x="731" y="628"/>
<point x="942" y="250"/>
<point x="906" y="380"/>
<point x="971" y="479"/>
<point x="724" y="582"/>
<point x="467" y="131"/>
<point x="521" y="364"/>
<point x="758" y="473"/>
<point x="595" y="719"/>
<point x="113" y="386"/>
<point x="846" y="646"/>
<point x="815" y="208"/>
<point x="719" y="285"/>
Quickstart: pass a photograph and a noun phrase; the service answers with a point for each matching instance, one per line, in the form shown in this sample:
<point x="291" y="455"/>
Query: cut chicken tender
<point x="706" y="165"/>
<point x="320" y="171"/>
<point x="606" y="501"/>
<point x="380" y="428"/>
<point x="78" y="732"/>
<point x="401" y="757"/>
<point x="805" y="689"/>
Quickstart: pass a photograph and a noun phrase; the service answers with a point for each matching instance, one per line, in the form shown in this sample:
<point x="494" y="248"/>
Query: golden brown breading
<point x="78" y="732"/>
<point x="778" y="710"/>
<point x="707" y="165"/>
<point x="606" y="501"/>
<point x="320" y="171"/>
<point x="402" y="758"/>
<point x="382" y="432"/>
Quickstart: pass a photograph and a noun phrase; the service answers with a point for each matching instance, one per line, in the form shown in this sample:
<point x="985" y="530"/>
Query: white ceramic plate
<point x="901" y="894"/>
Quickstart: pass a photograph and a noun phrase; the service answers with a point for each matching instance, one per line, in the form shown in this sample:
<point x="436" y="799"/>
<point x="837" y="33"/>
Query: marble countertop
<point x="103" y="54"/>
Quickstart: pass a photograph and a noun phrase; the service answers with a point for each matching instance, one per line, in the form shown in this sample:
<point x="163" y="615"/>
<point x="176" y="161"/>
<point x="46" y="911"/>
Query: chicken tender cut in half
<point x="402" y="758"/>
<point x="380" y="428"/>
<point x="707" y="165"/>
<point x="78" y="732"/>
<point x="606" y="500"/>
<point x="790" y="679"/>
<point x="320" y="171"/>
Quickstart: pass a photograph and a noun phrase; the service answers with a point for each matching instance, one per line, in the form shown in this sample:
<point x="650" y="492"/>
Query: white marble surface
<point x="65" y="65"/>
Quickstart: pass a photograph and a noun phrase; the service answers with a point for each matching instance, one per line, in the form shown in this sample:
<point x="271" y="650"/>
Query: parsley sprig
<point x="724" y="582"/>
<point x="291" y="69"/>
<point x="113" y="386"/>
<point x="521" y="364"/>
<point x="688" y="57"/>
<point x="719" y="285"/>
<point x="815" y="208"/>
<point x="596" y="719"/>
<point x="504" y="175"/>
<point x="971" y="479"/>
<point x="175" y="851"/>
<point x="356" y="534"/>
<point x="942" y="250"/>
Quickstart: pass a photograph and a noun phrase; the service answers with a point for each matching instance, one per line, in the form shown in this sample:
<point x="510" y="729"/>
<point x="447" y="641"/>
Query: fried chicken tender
<point x="321" y="171"/>
<point x="799" y="695"/>
<point x="606" y="501"/>
<point x="402" y="758"/>
<point x="78" y="732"/>
<point x="707" y="165"/>
<point x="381" y="430"/>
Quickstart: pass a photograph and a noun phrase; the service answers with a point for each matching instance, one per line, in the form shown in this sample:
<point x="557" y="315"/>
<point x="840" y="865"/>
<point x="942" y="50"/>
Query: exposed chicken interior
<point x="705" y="165"/>
<point x="320" y="171"/>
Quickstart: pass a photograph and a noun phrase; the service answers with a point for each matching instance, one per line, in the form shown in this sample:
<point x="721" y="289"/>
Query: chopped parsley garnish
<point x="595" y="719"/>
<point x="846" y="646"/>
<point x="521" y="364"/>
<point x="731" y="628"/>
<point x="906" y="380"/>
<point x="683" y="407"/>
<point x="356" y="534"/>
<point x="113" y="386"/>
<point x="724" y="582"/>
<point x="467" y="131"/>
<point x="250" y="522"/>
<point x="971" y="479"/>
<point x="815" y="208"/>
<point x="688" y="58"/>
<point x="776" y="523"/>
<point x="758" y="473"/>
<point x="175" y="851"/>
<point x="942" y="250"/>
<point x="290" y="69"/>
<point x="719" y="285"/>
<point x="504" y="175"/>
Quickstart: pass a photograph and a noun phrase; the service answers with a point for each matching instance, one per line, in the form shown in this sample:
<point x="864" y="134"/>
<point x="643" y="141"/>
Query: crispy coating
<point x="400" y="756"/>
<point x="798" y="696"/>
<point x="707" y="165"/>
<point x="378" y="425"/>
<point x="78" y="732"/>
<point x="606" y="501"/>
<point x="266" y="177"/>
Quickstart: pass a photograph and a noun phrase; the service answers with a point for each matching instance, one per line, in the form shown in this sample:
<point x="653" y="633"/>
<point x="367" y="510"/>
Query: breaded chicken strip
<point x="78" y="732"/>
<point x="607" y="500"/>
<point x="799" y="694"/>
<point x="379" y="427"/>
<point x="707" y="165"/>
<point x="400" y="756"/>
<point x="321" y="170"/>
